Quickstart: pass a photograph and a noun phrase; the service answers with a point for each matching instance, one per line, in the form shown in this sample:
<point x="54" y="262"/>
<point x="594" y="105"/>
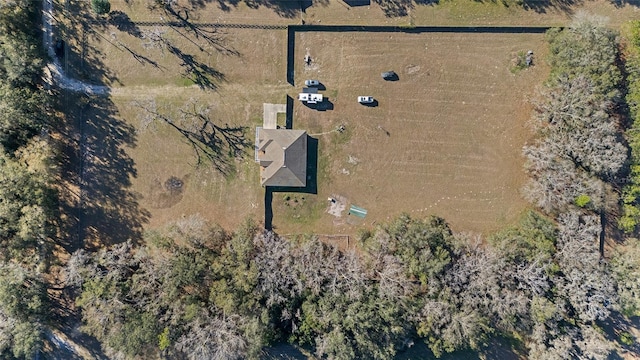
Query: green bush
<point x="101" y="7"/>
<point x="582" y="200"/>
<point x="518" y="62"/>
<point x="626" y="338"/>
<point x="628" y="222"/>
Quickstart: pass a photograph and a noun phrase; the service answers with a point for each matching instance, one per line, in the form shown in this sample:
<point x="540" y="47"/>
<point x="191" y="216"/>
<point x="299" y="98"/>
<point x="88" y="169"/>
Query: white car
<point x="311" y="83"/>
<point x="365" y="99"/>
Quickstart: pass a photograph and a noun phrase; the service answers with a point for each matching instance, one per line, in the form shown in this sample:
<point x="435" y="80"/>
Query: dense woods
<point x="194" y="290"/>
<point x="414" y="280"/>
<point x="27" y="195"/>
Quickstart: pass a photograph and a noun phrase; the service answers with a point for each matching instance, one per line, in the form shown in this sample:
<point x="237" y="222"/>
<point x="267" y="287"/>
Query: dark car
<point x="390" y="75"/>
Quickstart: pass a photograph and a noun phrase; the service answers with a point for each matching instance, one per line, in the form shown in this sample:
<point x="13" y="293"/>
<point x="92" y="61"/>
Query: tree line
<point x="27" y="195"/>
<point x="579" y="165"/>
<point x="194" y="291"/>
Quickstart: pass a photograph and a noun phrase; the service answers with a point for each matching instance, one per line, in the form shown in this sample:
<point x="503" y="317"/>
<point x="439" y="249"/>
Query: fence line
<point x="324" y="236"/>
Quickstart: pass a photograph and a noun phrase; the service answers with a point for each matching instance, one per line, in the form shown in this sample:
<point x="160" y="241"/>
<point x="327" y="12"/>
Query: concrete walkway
<point x="270" y="115"/>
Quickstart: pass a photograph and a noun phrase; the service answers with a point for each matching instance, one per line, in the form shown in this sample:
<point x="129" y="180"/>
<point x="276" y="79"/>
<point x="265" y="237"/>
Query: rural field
<point x="445" y="139"/>
<point x="381" y="12"/>
<point x="164" y="178"/>
<point x="158" y="108"/>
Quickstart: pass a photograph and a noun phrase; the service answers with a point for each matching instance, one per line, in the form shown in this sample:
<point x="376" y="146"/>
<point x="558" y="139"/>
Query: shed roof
<point x="282" y="154"/>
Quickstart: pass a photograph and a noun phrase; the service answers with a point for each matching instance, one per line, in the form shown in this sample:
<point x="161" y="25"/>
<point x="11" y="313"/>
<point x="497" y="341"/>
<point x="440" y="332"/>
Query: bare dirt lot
<point x="445" y="139"/>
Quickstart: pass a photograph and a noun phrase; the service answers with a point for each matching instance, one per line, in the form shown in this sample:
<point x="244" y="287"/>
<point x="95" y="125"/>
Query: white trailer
<point x="310" y="98"/>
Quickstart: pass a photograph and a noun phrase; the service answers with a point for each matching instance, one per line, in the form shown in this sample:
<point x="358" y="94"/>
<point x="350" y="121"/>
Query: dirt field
<point x="445" y="139"/>
<point x="382" y="12"/>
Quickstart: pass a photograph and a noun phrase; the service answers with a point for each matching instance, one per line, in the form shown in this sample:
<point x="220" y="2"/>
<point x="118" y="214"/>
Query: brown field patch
<point x="445" y="139"/>
<point x="457" y="12"/>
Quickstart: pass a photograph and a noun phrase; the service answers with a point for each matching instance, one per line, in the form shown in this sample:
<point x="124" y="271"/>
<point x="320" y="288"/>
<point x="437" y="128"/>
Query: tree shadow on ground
<point x="122" y="22"/>
<point x="419" y="350"/>
<point x="211" y="36"/>
<point x="213" y="144"/>
<point x="284" y="8"/>
<point x="539" y="6"/>
<point x="201" y="74"/>
<point x="93" y="29"/>
<point x="395" y="8"/>
<point x="97" y="206"/>
<point x="96" y="163"/>
<point x="616" y="325"/>
<point x="80" y="60"/>
<point x="283" y="351"/>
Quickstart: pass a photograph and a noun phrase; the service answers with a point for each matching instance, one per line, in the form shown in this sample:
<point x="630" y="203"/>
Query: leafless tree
<point x="574" y="116"/>
<point x="213" y="337"/>
<point x="394" y="283"/>
<point x="626" y="267"/>
<point x="7" y="323"/>
<point x="593" y="344"/>
<point x="277" y="280"/>
<point x="216" y="143"/>
<point x="556" y="181"/>
<point x="587" y="281"/>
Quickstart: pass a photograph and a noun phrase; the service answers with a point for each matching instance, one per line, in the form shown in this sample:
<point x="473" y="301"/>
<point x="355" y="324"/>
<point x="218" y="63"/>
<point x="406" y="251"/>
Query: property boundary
<point x="211" y="25"/>
<point x="338" y="240"/>
<point x="292" y="29"/>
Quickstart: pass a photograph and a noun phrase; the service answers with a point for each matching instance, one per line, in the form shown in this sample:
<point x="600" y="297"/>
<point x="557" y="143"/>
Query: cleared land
<point x="444" y="140"/>
<point x="383" y="12"/>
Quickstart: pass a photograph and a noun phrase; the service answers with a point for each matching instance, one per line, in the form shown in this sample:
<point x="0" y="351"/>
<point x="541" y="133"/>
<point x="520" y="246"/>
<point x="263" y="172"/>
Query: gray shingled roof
<point x="283" y="157"/>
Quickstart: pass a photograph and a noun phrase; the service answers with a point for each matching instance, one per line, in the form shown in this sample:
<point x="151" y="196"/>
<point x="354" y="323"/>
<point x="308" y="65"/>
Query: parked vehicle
<point x="365" y="99"/>
<point x="311" y="83"/>
<point x="390" y="75"/>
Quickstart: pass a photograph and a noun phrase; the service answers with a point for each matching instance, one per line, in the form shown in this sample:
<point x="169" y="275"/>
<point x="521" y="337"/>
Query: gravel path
<point x="64" y="346"/>
<point x="54" y="75"/>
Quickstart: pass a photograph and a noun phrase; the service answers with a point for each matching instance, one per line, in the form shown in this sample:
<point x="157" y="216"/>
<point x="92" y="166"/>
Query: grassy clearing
<point x="444" y="140"/>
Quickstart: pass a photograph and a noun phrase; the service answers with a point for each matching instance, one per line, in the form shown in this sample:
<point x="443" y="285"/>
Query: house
<point x="282" y="155"/>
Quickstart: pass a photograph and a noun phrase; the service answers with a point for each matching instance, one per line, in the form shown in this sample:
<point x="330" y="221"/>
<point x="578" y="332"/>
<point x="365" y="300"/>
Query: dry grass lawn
<point x="445" y="139"/>
<point x="446" y="12"/>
